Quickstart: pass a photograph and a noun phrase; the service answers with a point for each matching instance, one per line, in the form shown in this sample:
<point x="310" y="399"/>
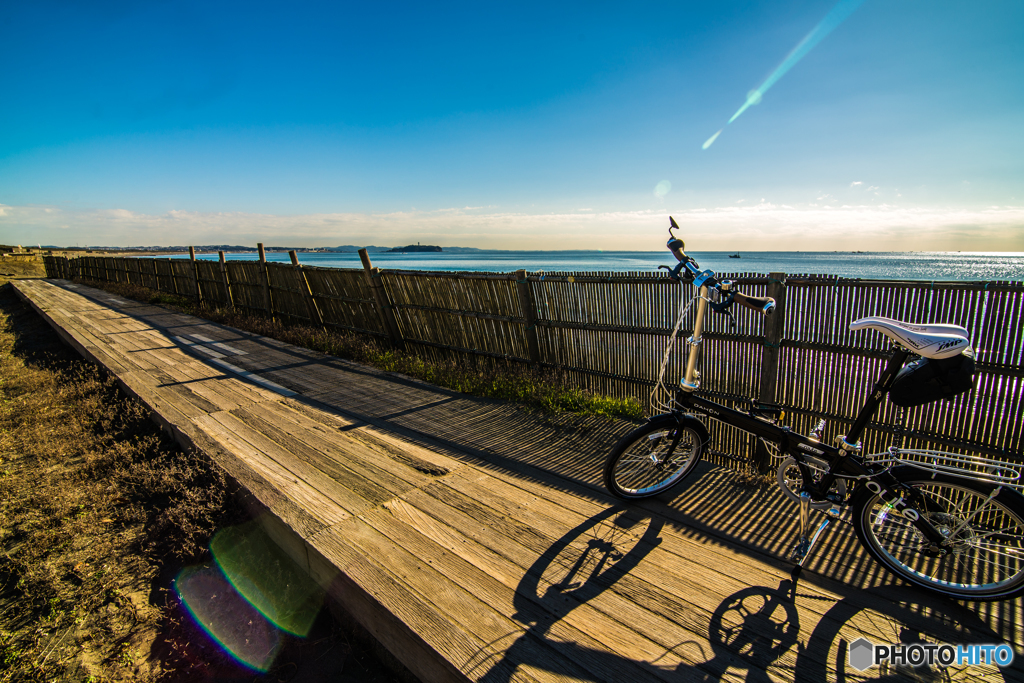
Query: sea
<point x="910" y="265"/>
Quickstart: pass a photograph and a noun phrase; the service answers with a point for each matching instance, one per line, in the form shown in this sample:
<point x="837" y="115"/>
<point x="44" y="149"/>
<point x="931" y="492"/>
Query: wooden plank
<point x="597" y="619"/>
<point x="391" y="468"/>
<point x="478" y="619"/>
<point x="319" y="506"/>
<point x="421" y="459"/>
<point x="354" y="494"/>
<point x="438" y="650"/>
<point x="338" y="470"/>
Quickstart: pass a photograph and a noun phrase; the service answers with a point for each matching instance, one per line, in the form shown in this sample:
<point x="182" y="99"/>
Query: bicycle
<point x="949" y="523"/>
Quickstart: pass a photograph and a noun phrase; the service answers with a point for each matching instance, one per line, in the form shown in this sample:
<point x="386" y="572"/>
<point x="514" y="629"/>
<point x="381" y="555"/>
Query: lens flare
<point x="227" y="617"/>
<point x="250" y="596"/>
<point x="838" y="14"/>
<point x="662" y="188"/>
<point x="272" y="583"/>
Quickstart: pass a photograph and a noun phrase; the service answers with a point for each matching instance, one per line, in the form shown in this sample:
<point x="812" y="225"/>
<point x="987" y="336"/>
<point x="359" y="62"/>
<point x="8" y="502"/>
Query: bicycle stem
<point x="689" y="384"/>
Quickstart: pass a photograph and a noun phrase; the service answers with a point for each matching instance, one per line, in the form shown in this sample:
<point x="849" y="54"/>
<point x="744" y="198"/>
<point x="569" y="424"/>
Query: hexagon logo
<point x="861" y="655"/>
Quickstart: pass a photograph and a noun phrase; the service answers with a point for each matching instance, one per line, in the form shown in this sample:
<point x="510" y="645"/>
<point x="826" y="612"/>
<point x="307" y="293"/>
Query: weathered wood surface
<point x="472" y="538"/>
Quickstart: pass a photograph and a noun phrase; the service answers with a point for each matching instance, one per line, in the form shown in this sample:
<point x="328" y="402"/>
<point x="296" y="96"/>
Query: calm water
<point x="875" y="265"/>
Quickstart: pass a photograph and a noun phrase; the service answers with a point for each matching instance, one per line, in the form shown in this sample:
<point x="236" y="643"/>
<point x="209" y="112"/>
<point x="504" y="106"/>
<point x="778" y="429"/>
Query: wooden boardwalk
<point x="472" y="537"/>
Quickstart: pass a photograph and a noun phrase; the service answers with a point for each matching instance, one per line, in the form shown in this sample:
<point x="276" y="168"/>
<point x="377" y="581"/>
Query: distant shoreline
<point x="280" y="250"/>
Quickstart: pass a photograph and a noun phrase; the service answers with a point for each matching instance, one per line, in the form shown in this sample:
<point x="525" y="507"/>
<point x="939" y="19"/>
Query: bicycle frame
<point x="950" y="523"/>
<point x="843" y="460"/>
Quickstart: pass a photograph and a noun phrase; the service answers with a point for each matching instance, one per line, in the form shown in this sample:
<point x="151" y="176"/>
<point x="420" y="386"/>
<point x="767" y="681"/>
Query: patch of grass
<point x="94" y="501"/>
<point x="21" y="267"/>
<point x="509" y="381"/>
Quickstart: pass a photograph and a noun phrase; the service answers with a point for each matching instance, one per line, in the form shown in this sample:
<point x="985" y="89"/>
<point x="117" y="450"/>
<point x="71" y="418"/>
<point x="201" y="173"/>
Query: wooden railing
<point x="606" y="332"/>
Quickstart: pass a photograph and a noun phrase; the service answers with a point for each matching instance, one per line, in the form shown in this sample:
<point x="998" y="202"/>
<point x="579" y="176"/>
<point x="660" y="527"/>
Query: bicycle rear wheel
<point x="652" y="459"/>
<point x="985" y="560"/>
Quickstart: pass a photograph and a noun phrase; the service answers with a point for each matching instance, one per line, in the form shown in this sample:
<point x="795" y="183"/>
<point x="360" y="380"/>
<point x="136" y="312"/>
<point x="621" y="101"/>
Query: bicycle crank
<point x="802" y="549"/>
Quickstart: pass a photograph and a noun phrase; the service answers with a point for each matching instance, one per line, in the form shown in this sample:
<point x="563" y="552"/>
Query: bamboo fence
<point x="606" y="332"/>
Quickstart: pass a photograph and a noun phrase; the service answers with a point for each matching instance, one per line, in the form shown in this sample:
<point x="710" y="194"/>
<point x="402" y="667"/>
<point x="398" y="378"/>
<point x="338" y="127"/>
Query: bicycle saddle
<point x="930" y="341"/>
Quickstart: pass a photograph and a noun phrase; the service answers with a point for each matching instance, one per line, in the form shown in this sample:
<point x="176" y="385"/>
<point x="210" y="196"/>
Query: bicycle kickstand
<point x="802" y="550"/>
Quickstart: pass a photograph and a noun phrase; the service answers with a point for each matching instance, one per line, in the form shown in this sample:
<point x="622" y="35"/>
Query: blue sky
<point x="512" y="125"/>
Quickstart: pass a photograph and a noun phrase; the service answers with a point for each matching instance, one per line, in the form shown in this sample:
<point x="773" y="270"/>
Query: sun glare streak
<point x="837" y="15"/>
<point x="712" y="139"/>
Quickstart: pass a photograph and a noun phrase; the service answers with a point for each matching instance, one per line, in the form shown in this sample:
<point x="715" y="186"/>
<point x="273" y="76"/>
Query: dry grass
<point x="14" y="268"/>
<point x="98" y="512"/>
<point x="542" y="390"/>
<point x="94" y="499"/>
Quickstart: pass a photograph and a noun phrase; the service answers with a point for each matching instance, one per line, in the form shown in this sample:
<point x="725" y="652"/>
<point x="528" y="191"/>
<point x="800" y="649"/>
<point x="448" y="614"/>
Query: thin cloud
<point x="764" y="225"/>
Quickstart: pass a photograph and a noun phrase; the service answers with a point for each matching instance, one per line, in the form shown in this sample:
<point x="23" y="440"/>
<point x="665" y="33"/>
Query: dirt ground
<point x="105" y="525"/>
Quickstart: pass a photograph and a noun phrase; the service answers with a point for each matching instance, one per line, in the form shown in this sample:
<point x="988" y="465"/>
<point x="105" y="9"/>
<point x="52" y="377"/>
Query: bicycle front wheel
<point x="984" y="559"/>
<point x="652" y="459"/>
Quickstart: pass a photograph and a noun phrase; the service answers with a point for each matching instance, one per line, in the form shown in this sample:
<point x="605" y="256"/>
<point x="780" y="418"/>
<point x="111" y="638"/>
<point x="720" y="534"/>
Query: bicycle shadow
<point x="749" y="630"/>
<point x="755" y="633"/>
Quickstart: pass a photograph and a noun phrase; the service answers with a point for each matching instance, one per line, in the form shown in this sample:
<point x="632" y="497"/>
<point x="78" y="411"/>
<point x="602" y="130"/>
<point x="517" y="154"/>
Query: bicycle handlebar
<point x="761" y="304"/>
<point x="709" y="278"/>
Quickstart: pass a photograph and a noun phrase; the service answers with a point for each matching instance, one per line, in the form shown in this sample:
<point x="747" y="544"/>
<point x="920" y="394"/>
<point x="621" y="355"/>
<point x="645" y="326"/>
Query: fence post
<point x="770" y="352"/>
<point x="224" y="277"/>
<point x="174" y="277"/>
<point x="195" y="275"/>
<point x="529" y="310"/>
<point x="384" y="307"/>
<point x="311" y="310"/>
<point x="265" y="277"/>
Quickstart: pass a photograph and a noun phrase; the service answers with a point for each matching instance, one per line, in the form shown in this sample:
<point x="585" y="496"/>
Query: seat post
<point x="896" y="360"/>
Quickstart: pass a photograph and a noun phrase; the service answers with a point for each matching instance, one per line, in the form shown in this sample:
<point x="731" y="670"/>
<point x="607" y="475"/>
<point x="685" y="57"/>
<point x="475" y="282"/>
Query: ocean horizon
<point x="911" y="265"/>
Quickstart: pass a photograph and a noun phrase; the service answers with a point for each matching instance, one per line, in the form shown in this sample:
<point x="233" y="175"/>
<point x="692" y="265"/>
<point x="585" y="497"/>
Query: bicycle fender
<point x="683" y="420"/>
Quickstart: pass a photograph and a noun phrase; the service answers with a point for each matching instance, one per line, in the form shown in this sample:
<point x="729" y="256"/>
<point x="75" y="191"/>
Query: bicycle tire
<point x="986" y="561"/>
<point x="644" y="463"/>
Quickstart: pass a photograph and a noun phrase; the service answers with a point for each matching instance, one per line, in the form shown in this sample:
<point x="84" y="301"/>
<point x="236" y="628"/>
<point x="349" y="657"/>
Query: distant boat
<point x="735" y="256"/>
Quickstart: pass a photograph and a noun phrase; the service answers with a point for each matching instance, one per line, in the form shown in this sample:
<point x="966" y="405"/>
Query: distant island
<point x="414" y="248"/>
<point x="240" y="249"/>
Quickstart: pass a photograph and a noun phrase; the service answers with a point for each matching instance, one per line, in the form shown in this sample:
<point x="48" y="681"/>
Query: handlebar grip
<point x="764" y="305"/>
<point x="676" y="246"/>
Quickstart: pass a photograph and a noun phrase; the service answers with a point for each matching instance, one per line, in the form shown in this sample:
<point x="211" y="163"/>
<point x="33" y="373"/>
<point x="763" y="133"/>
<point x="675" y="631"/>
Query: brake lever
<point x="674" y="272"/>
<point x="722" y="305"/>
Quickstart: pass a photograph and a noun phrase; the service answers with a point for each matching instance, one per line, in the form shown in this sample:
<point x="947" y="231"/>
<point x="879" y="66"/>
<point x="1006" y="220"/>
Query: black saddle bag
<point x="932" y="379"/>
